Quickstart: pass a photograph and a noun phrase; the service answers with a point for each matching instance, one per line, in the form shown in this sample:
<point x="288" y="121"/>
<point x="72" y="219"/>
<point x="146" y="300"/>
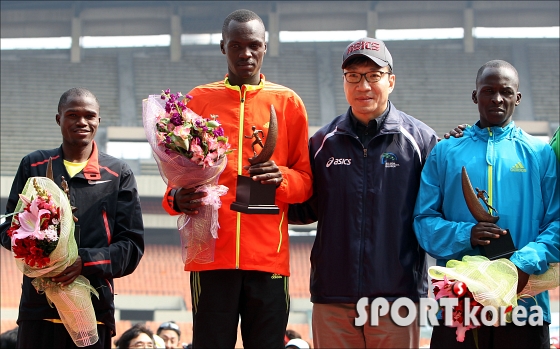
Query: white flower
<point x="51" y="233"/>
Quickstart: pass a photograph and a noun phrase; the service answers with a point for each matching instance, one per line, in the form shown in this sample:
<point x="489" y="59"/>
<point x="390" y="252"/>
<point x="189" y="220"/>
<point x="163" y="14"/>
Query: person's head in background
<point x="290" y="334"/>
<point x="138" y="336"/>
<point x="170" y="333"/>
<point x="297" y="343"/>
<point x="8" y="339"/>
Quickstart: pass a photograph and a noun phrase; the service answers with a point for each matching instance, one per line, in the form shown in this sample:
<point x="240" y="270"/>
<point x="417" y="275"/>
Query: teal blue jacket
<point x="519" y="173"/>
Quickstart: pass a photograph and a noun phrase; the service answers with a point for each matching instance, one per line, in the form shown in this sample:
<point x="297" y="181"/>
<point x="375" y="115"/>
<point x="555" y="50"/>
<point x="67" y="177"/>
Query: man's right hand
<point x="187" y="201"/>
<point x="482" y="232"/>
<point x="457" y="132"/>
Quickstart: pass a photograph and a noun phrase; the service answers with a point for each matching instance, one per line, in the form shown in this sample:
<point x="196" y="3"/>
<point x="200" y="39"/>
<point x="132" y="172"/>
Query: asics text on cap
<point x="374" y="49"/>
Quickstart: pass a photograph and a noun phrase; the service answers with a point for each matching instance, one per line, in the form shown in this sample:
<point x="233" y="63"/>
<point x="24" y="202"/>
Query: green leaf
<point x="180" y="142"/>
<point x="212" y="123"/>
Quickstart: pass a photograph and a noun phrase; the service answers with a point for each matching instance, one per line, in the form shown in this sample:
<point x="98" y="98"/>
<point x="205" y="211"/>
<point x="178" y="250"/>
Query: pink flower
<point x="182" y="131"/>
<point x="462" y="330"/>
<point x="212" y="143"/>
<point x="223" y="148"/>
<point x="208" y="162"/>
<point x="198" y="153"/>
<point x="30" y="223"/>
<point x="443" y="288"/>
<point x="160" y="138"/>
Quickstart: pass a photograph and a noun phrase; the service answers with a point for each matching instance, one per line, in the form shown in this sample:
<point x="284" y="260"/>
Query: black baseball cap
<point x="374" y="49"/>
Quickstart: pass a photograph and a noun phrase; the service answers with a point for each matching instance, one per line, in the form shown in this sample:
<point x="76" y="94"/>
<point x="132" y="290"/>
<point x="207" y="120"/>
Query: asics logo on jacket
<point x="333" y="161"/>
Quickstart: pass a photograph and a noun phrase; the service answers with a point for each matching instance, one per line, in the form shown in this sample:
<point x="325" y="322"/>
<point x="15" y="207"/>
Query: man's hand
<point x="266" y="173"/>
<point x="457" y="132"/>
<point x="482" y="232"/>
<point x="187" y="201"/>
<point x="69" y="274"/>
<point x="522" y="279"/>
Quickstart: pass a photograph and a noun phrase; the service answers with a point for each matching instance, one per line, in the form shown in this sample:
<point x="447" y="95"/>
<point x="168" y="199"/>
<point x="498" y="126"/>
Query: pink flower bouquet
<point x="43" y="244"/>
<point x="191" y="153"/>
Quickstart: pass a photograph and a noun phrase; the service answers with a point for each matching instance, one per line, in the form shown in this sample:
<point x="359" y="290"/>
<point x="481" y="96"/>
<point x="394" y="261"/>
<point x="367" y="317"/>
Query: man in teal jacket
<point x="519" y="173"/>
<point x="555" y="143"/>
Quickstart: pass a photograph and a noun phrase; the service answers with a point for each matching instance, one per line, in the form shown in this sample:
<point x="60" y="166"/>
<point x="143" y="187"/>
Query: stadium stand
<point x="30" y="88"/>
<point x="545" y="71"/>
<point x="434" y="82"/>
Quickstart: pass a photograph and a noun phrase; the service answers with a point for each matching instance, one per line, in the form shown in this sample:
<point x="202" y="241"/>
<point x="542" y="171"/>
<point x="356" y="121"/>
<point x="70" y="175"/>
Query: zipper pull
<point x="242" y="93"/>
<point x="365" y="153"/>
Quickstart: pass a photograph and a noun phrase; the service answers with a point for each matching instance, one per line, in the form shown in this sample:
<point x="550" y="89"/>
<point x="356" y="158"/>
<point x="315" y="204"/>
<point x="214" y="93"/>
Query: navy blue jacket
<point x="109" y="231"/>
<point x="364" y="196"/>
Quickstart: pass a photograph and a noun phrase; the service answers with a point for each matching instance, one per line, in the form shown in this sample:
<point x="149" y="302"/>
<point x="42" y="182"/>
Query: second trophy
<point x="254" y="197"/>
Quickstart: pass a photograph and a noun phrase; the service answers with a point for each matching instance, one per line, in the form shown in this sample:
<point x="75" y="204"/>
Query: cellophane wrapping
<point x="494" y="283"/>
<point x="72" y="302"/>
<point x="198" y="232"/>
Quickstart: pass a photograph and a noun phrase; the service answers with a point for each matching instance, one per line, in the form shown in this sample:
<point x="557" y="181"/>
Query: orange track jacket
<point x="255" y="241"/>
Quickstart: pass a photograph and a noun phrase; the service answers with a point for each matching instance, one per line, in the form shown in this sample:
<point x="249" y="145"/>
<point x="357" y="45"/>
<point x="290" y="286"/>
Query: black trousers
<point x="221" y="297"/>
<point x="508" y="336"/>
<point x="35" y="334"/>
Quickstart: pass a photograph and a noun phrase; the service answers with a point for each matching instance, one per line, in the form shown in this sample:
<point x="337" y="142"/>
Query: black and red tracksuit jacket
<point x="109" y="231"/>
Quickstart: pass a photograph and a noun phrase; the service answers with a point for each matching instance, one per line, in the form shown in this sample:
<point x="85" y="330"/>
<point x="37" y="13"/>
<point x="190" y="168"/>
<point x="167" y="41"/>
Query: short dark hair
<point x="241" y="16"/>
<point x="291" y="334"/>
<point x="75" y="91"/>
<point x="131" y="333"/>
<point x="8" y="339"/>
<point x="497" y="63"/>
<point x="169" y="325"/>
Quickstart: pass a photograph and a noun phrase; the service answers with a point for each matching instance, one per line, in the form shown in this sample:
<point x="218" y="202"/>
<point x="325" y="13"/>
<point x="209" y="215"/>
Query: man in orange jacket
<point x="249" y="274"/>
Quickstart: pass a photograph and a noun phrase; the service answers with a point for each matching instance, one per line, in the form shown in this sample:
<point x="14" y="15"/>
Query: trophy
<point x="501" y="247"/>
<point x="253" y="197"/>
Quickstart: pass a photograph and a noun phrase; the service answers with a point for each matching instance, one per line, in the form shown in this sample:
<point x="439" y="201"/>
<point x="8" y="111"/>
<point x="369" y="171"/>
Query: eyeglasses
<point x="170" y="326"/>
<point x="373" y="76"/>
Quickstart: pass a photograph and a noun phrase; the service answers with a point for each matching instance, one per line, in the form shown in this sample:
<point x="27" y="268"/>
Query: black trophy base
<point x="254" y="198"/>
<point x="501" y="247"/>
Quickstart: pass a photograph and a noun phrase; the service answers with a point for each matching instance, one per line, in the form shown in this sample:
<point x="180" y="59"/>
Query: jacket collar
<point x="496" y="131"/>
<point x="91" y="171"/>
<point x="246" y="87"/>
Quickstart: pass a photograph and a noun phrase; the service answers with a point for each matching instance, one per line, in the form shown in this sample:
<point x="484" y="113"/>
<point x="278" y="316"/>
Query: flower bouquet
<point x="478" y="282"/>
<point x="190" y="152"/>
<point x="43" y="244"/>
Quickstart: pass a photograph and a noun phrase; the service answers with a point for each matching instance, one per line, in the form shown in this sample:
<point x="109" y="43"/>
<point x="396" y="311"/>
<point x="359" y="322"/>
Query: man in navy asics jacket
<point x="366" y="168"/>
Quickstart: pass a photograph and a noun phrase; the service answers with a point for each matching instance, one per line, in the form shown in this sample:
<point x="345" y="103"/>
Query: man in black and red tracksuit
<point x="109" y="231"/>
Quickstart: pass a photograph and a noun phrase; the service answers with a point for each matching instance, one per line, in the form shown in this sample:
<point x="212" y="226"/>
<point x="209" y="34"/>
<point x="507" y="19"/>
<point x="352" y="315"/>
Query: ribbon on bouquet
<point x="199" y="232"/>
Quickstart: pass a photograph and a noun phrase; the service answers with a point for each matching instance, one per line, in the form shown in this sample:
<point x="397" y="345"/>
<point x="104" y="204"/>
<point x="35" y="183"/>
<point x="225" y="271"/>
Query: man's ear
<point x="518" y="98"/>
<point x="392" y="80"/>
<point x="57" y="118"/>
<point x="222" y="47"/>
<point x="474" y="98"/>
